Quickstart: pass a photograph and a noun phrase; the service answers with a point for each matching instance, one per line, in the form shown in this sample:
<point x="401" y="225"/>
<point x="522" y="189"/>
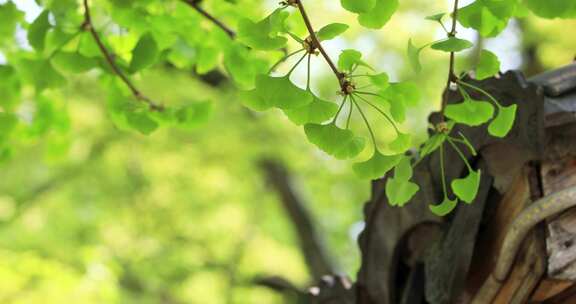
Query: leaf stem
<point x="340" y="109"/>
<point x="89" y="26"/>
<point x="366" y="122"/>
<point x="442" y="173"/>
<point x="390" y="120"/>
<point x="460" y="153"/>
<point x="283" y="59"/>
<point x="349" y="117"/>
<point x="308" y="74"/>
<point x="481" y="91"/>
<point x="296" y="65"/>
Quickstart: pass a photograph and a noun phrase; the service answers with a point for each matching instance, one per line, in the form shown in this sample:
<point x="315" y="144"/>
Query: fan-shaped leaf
<point x="452" y="44"/>
<point x="318" y="111"/>
<point x="277" y="92"/>
<point x="467" y="188"/>
<point x="470" y="112"/>
<point x="337" y="142"/>
<point x="377" y="166"/>
<point x="503" y="122"/>
<point x="488" y="65"/>
<point x="331" y="31"/>
<point x="444" y="208"/>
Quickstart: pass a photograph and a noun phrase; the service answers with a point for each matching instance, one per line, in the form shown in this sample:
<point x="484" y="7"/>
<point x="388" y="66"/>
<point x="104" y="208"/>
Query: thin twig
<point x="316" y="41"/>
<point x="451" y="75"/>
<point x="195" y="4"/>
<point x="89" y="26"/>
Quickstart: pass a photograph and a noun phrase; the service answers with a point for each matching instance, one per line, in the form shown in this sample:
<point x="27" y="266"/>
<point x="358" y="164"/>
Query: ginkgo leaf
<point x="503" y="122"/>
<point x="193" y="115"/>
<point x="337" y="142"/>
<point x="401" y="144"/>
<point x="38" y="30"/>
<point x="436" y="17"/>
<point x="277" y="92"/>
<point x="349" y="59"/>
<point x="432" y="144"/>
<point x="470" y="112"/>
<point x="264" y="35"/>
<point x="318" y="111"/>
<point x="488" y="65"/>
<point x="357" y="6"/>
<point x="380" y="80"/>
<point x="377" y="166"/>
<point x="399" y="189"/>
<point x="452" y="44"/>
<point x="444" y="208"/>
<point x="379" y="15"/>
<point x="552" y="8"/>
<point x="406" y="91"/>
<point x="414" y="56"/>
<point x="73" y="62"/>
<point x="144" y="53"/>
<point x="141" y="122"/>
<point x="466" y="188"/>
<point x="489" y="18"/>
<point x="331" y="31"/>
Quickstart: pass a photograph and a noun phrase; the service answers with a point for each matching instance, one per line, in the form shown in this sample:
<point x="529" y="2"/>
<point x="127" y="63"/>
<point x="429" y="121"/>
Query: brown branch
<point x="451" y="75"/>
<point x="195" y="4"/>
<point x="315" y="254"/>
<point x="89" y="26"/>
<point x="341" y="76"/>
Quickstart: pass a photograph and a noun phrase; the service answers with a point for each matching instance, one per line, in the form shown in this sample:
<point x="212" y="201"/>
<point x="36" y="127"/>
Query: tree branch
<point x="341" y="76"/>
<point x="195" y="4"/>
<point x="89" y="26"/>
<point x="451" y="75"/>
<point x="317" y="260"/>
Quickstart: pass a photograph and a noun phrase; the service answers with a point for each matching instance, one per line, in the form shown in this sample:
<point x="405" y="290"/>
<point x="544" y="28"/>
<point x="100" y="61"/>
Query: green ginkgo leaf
<point x="144" y="53"/>
<point x="141" y="122"/>
<point x="399" y="189"/>
<point x="193" y="115"/>
<point x="379" y="15"/>
<point x="466" y="188"/>
<point x="503" y="122"/>
<point x="444" y="208"/>
<point x="349" y="59"/>
<point x="38" y="30"/>
<point x="381" y="81"/>
<point x="552" y="8"/>
<point x="488" y="65"/>
<point x="406" y="91"/>
<point x="265" y="34"/>
<point x="331" y="31"/>
<point x="470" y="112"/>
<point x="436" y="17"/>
<point x="73" y="62"/>
<point x="452" y="44"/>
<point x="414" y="56"/>
<point x="318" y="111"/>
<point x="432" y="144"/>
<point x="401" y="144"/>
<point x="488" y="17"/>
<point x="358" y="6"/>
<point x="377" y="166"/>
<point x="337" y="142"/>
<point x="277" y="92"/>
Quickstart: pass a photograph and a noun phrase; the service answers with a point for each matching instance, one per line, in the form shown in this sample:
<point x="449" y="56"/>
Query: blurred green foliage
<point x="91" y="213"/>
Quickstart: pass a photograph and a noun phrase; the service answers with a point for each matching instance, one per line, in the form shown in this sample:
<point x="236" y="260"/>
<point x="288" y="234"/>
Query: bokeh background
<point x="93" y="214"/>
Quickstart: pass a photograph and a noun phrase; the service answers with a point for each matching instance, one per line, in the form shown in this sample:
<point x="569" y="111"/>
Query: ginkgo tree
<point x="118" y="39"/>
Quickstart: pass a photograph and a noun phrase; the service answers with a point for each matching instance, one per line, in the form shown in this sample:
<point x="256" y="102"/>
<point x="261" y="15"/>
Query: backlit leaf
<point x="379" y="15"/>
<point x="452" y="44"/>
<point x="264" y="35"/>
<point x="414" y="56"/>
<point x="377" y="166"/>
<point x="337" y="142"/>
<point x="358" y="6"/>
<point x="277" y="92"/>
<point x="37" y="31"/>
<point x="488" y="65"/>
<point x="144" y="53"/>
<point x="331" y="31"/>
<point x="318" y="111"/>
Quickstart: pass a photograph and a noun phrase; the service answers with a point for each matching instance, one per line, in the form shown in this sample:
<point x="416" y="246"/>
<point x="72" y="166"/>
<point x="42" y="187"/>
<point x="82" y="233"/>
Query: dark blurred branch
<point x="195" y="4"/>
<point x="89" y="26"/>
<point x="317" y="260"/>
